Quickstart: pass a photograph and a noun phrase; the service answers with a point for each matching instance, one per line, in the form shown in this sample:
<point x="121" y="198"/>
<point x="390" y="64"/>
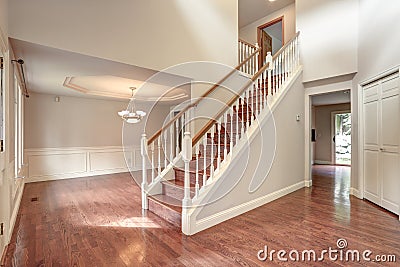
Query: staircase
<point x="192" y="165"/>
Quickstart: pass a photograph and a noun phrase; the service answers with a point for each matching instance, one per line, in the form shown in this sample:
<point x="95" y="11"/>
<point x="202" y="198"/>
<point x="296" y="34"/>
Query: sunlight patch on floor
<point x="134" y="222"/>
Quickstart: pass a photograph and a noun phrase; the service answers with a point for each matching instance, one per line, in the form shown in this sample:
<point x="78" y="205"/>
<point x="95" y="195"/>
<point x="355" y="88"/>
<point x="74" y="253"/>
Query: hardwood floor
<point x="98" y="221"/>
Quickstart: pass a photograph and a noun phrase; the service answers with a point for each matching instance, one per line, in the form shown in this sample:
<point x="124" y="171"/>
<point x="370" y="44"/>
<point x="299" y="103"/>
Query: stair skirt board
<point x="222" y="216"/>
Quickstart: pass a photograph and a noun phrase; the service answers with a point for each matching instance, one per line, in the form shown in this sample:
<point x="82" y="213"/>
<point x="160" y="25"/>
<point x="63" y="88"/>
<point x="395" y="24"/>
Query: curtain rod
<point x="21" y="63"/>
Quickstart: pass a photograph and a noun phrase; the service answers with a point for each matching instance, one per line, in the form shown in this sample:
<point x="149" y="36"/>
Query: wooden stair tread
<point x="178" y="183"/>
<point x="167" y="201"/>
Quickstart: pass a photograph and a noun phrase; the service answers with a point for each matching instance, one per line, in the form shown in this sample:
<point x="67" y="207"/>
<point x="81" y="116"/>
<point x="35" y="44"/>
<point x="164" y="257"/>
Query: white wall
<point x="249" y="32"/>
<point x="378" y="21"/>
<point x="153" y="33"/>
<point x="328" y="37"/>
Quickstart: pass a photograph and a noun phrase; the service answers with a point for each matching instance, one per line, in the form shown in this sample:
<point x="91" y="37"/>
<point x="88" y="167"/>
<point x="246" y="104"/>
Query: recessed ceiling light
<point x="272" y="0"/>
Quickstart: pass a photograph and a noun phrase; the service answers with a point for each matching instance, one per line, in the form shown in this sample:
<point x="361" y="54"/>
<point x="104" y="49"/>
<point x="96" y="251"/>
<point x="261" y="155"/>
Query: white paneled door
<point x="381" y="107"/>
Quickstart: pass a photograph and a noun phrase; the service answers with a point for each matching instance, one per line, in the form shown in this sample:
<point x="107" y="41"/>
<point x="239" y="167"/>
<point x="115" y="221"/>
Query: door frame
<point x="265" y="25"/>
<point x="361" y="177"/>
<point x="310" y="91"/>
<point x="333" y="133"/>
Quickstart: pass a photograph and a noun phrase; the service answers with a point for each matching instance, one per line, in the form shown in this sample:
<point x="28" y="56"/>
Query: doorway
<point x="270" y="37"/>
<point x="341" y="141"/>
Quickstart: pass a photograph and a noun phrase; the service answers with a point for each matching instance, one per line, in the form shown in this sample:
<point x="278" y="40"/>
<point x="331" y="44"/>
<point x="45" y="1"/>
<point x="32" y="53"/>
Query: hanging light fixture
<point x="132" y="115"/>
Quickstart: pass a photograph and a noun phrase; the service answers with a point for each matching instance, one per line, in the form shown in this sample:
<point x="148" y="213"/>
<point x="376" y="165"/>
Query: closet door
<point x="389" y="143"/>
<point x="372" y="185"/>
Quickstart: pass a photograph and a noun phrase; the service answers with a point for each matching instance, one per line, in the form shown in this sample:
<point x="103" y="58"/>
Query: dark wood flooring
<point x="98" y="221"/>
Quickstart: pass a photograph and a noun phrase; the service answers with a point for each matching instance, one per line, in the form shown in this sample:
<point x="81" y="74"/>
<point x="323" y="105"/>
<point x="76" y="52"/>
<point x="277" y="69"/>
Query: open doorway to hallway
<point x="331" y="140"/>
<point x="331" y="127"/>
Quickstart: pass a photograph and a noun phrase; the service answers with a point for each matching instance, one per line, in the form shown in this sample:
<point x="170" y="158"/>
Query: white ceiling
<point x="339" y="97"/>
<point x="58" y="72"/>
<point x="252" y="10"/>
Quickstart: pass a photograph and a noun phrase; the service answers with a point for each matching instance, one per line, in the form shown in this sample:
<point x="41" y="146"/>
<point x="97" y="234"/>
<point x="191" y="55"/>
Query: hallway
<point x="98" y="221"/>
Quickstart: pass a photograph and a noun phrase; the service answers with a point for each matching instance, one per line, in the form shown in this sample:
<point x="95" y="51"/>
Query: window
<point x="18" y="109"/>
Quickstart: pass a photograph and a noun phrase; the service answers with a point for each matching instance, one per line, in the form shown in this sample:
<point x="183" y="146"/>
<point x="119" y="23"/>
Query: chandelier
<point x="132" y="115"/>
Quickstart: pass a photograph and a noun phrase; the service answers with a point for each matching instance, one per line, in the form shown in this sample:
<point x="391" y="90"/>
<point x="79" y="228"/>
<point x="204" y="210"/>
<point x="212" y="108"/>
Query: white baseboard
<point x="14" y="213"/>
<point x="355" y="192"/>
<point x="322" y="162"/>
<point x="308" y="183"/>
<point x="48" y="164"/>
<point x="243" y="208"/>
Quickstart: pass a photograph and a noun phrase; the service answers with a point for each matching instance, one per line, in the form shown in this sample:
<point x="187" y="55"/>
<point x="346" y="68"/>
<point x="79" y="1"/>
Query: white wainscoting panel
<point x="64" y="163"/>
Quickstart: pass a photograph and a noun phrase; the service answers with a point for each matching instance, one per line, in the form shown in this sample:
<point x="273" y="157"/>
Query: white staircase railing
<point x="245" y="50"/>
<point x="204" y="154"/>
<point x="219" y="137"/>
<point x="163" y="150"/>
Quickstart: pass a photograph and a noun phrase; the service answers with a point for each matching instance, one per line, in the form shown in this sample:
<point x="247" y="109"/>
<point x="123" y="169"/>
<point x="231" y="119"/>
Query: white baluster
<point x="143" y="152"/>
<point x="252" y="103"/>
<point x="280" y="71"/>
<point x="242" y="119"/>
<point x="205" y="159"/>
<point x="219" y="144"/>
<point x="182" y="126"/>
<point x="187" y="156"/>
<point x="165" y="148"/>
<point x="277" y="75"/>
<point x="269" y="81"/>
<point x="212" y="155"/>
<point x="225" y="135"/>
<point x="197" y="170"/>
<point x="171" y="145"/>
<point x="152" y="162"/>
<point x="256" y="59"/>
<point x="177" y="133"/>
<point x="257" y="102"/>
<point x="231" y="134"/>
<point x="159" y="154"/>
<point x="237" y="121"/>
<point x="247" y="108"/>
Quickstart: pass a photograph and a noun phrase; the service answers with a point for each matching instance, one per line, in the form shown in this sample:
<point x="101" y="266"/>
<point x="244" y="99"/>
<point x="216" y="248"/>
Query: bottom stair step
<point x="166" y="207"/>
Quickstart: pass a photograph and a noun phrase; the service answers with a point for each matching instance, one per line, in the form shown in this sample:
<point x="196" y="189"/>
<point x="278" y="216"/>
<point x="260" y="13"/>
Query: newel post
<point x="187" y="156"/>
<point x="143" y="152"/>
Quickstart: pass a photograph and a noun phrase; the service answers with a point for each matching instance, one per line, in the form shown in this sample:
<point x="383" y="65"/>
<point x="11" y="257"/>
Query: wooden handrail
<point x="211" y="122"/>
<point x="212" y="89"/>
<point x="247" y="43"/>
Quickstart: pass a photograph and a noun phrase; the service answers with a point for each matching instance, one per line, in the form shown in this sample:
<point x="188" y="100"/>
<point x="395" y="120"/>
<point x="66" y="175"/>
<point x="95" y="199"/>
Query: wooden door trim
<point x="259" y="35"/>
<point x="270" y="23"/>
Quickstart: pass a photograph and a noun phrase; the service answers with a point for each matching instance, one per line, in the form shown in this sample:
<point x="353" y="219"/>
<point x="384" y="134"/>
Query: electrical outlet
<point x="1" y="228"/>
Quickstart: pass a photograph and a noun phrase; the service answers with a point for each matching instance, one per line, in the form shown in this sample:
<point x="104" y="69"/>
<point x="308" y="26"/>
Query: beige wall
<point x="323" y="126"/>
<point x="249" y="32"/>
<point x="80" y="122"/>
<point x="289" y="152"/>
<point x="328" y="37"/>
<point x="154" y="33"/>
